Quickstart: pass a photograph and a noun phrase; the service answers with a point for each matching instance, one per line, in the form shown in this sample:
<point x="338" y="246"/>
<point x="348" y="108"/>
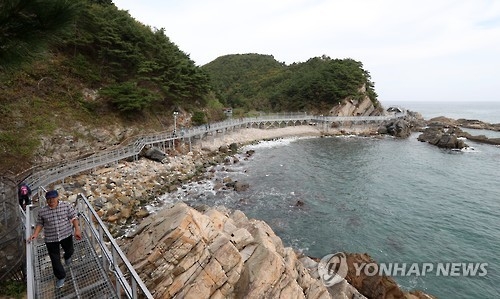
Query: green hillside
<point x="259" y="82"/>
<point x="66" y="64"/>
<point x="96" y="66"/>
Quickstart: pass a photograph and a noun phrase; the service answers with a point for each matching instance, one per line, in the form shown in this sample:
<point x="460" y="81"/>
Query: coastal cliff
<point x="358" y="107"/>
<point x="184" y="253"/>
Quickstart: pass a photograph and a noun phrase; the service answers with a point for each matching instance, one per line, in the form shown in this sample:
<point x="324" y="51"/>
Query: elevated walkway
<point x="85" y="278"/>
<point x="99" y="268"/>
<point x="46" y="176"/>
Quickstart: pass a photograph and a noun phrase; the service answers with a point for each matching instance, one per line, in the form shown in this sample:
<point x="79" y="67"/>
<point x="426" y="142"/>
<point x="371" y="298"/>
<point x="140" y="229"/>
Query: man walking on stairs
<point x="58" y="219"/>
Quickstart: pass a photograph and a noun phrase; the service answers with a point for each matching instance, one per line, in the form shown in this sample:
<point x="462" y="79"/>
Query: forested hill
<point x="259" y="82"/>
<point x="67" y="64"/>
<point x="71" y="68"/>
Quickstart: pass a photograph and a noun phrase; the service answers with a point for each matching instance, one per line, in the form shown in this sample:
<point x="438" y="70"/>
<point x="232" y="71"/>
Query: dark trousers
<point x="24" y="200"/>
<point x="54" y="249"/>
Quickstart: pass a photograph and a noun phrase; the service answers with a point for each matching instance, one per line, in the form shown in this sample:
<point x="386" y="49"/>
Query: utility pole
<point x="175" y="122"/>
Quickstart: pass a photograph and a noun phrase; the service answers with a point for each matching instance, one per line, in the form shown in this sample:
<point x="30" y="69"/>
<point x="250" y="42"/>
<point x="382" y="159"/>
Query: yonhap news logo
<point x="333" y="268"/>
<point x="421" y="269"/>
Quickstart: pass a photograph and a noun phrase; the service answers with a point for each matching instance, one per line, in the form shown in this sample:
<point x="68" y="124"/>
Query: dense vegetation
<point x="27" y="27"/>
<point x="260" y="82"/>
<point x="85" y="61"/>
<point x="51" y="69"/>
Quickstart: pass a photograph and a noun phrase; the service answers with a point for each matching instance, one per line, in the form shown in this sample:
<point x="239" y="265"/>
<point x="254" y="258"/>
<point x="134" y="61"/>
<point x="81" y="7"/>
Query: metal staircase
<point x="99" y="269"/>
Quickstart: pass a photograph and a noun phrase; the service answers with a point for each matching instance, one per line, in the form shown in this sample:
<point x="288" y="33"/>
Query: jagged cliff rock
<point x="352" y="107"/>
<point x="68" y="143"/>
<point x="357" y="107"/>
<point x="183" y="253"/>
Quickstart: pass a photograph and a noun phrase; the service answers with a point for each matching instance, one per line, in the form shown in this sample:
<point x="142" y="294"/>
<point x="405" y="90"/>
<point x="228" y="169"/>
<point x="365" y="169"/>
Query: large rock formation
<point x="464" y="123"/>
<point x="183" y="253"/>
<point x="353" y="107"/>
<point x="443" y="136"/>
<point x="477" y="124"/>
<point x="398" y="128"/>
<point x="403" y="127"/>
<point x="357" y="107"/>
<point x="444" y="132"/>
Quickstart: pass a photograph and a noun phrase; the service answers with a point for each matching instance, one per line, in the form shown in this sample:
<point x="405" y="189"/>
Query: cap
<point x="51" y="194"/>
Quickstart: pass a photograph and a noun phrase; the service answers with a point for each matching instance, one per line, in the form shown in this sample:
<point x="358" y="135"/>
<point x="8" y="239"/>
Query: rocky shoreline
<point x="200" y="251"/>
<point x="208" y="252"/>
<point x="447" y="133"/>
<point x="123" y="193"/>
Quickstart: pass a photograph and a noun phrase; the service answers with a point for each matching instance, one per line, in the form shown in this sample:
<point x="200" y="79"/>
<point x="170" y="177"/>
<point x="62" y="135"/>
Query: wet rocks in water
<point x="443" y="136"/>
<point x="299" y="203"/>
<point x="249" y="153"/>
<point x="445" y="132"/>
<point x="233" y="147"/>
<point x="235" y="185"/>
<point x="398" y="128"/>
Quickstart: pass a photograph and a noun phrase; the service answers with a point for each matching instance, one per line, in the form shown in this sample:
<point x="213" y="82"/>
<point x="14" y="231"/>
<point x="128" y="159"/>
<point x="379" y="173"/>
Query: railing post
<point x="30" y="276"/>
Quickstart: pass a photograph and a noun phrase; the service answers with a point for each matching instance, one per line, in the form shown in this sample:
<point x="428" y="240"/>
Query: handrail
<point x="28" y="220"/>
<point x="11" y="233"/>
<point x="30" y="275"/>
<point x="111" y="251"/>
<point x="44" y="177"/>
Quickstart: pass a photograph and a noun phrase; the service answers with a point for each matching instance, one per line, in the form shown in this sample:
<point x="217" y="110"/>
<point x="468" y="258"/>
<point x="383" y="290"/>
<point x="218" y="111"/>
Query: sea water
<point x="399" y="200"/>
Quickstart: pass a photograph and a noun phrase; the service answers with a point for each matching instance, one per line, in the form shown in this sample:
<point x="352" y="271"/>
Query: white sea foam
<point x="469" y="150"/>
<point x="272" y="143"/>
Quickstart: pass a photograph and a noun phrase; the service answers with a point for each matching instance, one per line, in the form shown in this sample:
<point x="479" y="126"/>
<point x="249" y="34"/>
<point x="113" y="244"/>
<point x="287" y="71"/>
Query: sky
<point x="426" y="50"/>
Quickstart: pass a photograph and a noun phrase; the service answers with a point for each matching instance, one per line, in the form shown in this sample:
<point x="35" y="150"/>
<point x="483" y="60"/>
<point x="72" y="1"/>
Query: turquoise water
<point x="401" y="201"/>
<point x="398" y="200"/>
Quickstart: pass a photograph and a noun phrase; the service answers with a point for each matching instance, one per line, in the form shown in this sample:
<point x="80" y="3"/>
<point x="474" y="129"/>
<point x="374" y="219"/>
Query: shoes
<point x="67" y="262"/>
<point x="60" y="283"/>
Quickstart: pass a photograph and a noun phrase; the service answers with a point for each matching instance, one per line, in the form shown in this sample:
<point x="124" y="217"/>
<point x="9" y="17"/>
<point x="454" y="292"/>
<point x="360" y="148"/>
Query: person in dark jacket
<point x="24" y="195"/>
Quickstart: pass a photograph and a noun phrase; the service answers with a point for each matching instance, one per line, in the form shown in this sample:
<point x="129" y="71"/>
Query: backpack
<point x="24" y="190"/>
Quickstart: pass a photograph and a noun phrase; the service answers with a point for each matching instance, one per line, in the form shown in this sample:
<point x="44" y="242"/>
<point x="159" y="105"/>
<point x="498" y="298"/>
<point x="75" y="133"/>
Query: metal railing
<point x="11" y="233"/>
<point x="127" y="281"/>
<point x="114" y="257"/>
<point x="28" y="221"/>
<point x="44" y="177"/>
<point x="30" y="265"/>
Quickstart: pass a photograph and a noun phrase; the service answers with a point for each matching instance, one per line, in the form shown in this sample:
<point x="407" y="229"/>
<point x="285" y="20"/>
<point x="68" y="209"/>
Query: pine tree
<point x="27" y="27"/>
